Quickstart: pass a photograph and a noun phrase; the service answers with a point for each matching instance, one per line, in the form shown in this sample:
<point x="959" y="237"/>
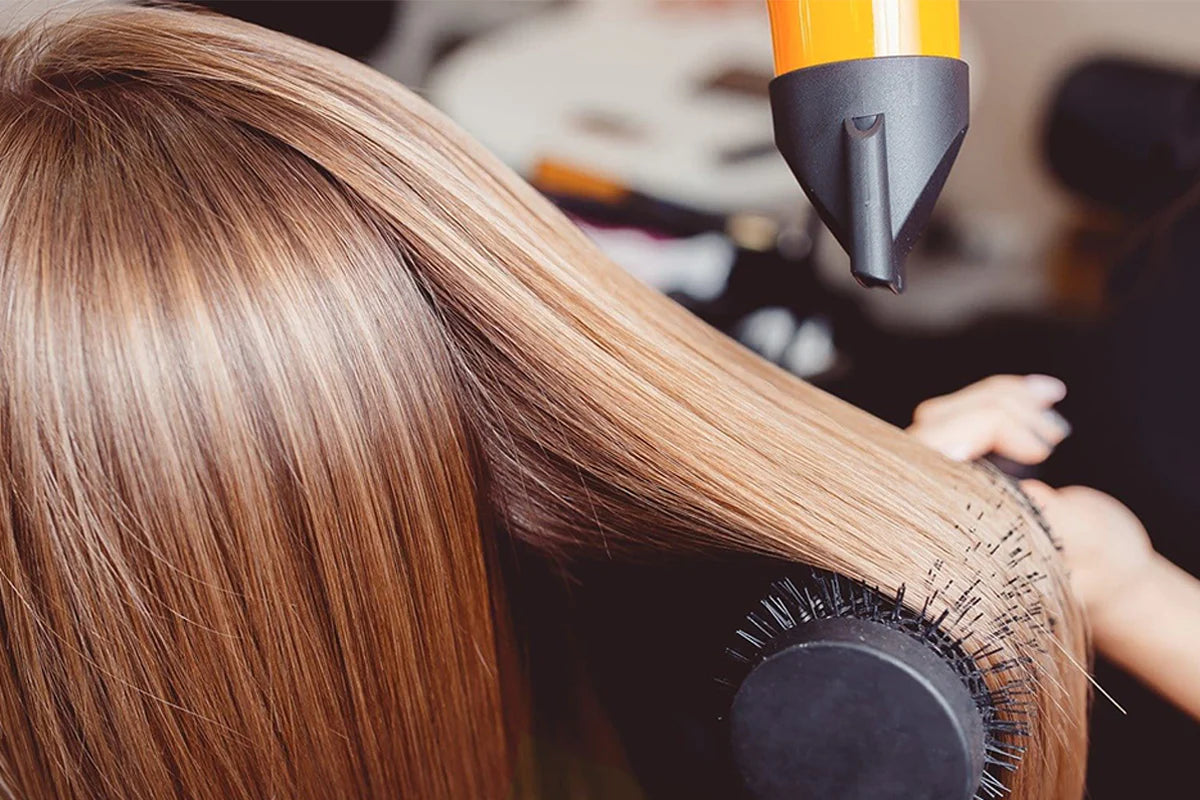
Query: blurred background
<point x="1067" y="240"/>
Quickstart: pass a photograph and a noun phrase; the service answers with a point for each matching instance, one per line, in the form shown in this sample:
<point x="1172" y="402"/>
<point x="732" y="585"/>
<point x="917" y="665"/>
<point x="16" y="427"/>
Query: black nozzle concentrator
<point x="871" y="141"/>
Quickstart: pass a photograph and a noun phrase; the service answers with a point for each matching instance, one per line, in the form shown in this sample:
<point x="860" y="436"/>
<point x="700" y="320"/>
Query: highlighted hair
<point x="283" y="356"/>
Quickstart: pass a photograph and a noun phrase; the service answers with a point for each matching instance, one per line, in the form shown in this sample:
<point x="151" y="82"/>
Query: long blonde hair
<point x="281" y="352"/>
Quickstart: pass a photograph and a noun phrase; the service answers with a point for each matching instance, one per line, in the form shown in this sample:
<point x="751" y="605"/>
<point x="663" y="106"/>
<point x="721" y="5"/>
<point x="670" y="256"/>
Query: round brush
<point x="838" y="690"/>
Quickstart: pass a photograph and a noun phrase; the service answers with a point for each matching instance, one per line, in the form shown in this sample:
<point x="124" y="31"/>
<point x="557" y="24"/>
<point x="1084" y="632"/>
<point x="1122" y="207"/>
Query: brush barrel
<point x="852" y="709"/>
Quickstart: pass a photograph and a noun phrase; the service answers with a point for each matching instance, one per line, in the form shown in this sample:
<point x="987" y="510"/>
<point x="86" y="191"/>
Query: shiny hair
<point x="283" y="356"/>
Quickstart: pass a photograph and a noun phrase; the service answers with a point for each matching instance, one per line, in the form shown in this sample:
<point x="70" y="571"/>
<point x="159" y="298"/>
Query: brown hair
<point x="282" y="349"/>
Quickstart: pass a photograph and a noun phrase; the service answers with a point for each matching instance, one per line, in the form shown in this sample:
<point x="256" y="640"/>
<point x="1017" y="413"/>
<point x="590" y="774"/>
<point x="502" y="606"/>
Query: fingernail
<point x="1058" y="421"/>
<point x="1046" y="387"/>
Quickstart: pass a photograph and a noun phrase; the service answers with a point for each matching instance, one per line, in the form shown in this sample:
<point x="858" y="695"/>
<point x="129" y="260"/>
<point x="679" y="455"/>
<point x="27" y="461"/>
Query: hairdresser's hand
<point x="1144" y="611"/>
<point x="1010" y="415"/>
<point x="1106" y="548"/>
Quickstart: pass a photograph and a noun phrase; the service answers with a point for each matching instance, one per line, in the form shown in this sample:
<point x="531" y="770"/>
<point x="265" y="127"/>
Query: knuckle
<point x="1001" y="384"/>
<point x="993" y="416"/>
<point x="926" y="409"/>
<point x="999" y="380"/>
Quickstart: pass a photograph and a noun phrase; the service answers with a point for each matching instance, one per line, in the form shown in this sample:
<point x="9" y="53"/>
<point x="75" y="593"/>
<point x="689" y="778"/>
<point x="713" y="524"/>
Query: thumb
<point x="1040" y="493"/>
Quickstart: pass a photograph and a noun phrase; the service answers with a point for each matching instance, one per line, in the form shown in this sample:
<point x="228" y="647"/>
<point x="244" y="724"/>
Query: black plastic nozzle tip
<point x="869" y="281"/>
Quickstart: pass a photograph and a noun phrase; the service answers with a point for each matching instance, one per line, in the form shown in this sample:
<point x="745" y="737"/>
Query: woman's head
<point x="282" y="352"/>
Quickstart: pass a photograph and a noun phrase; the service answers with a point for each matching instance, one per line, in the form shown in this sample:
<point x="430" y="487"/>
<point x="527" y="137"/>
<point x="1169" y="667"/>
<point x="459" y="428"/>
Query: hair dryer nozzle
<point x="872" y="141"/>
